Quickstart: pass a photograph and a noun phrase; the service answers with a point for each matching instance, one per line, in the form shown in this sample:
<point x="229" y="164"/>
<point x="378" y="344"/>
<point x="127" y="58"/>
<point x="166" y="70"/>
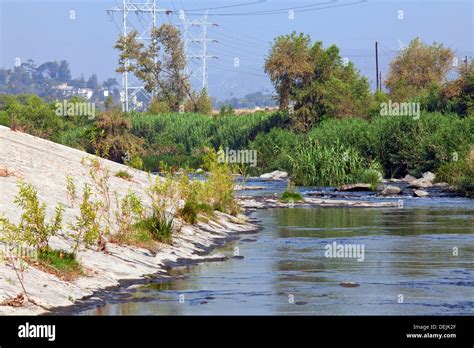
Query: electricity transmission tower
<point x="140" y="16"/>
<point x="193" y="37"/>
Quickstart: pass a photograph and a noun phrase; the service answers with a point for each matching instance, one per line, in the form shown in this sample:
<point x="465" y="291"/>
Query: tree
<point x="161" y="65"/>
<point x="316" y="81"/>
<point x="288" y="63"/>
<point x="110" y="83"/>
<point x="458" y="95"/>
<point x="93" y="83"/>
<point x="417" y="68"/>
<point x="200" y="103"/>
<point x="64" y="74"/>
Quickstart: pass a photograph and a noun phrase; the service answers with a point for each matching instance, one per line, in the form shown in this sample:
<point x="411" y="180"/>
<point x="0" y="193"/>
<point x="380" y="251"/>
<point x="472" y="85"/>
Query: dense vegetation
<point x="329" y="130"/>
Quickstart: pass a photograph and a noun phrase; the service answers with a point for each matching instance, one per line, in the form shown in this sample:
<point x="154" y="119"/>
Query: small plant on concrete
<point x="9" y="236"/>
<point x="32" y="227"/>
<point x="60" y="262"/>
<point x="191" y="191"/>
<point x="100" y="176"/>
<point x="71" y="190"/>
<point x="164" y="196"/>
<point x="87" y="229"/>
<point x="129" y="210"/>
<point x="123" y="174"/>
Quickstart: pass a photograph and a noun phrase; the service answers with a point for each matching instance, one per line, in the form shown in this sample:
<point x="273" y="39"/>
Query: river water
<point x="417" y="260"/>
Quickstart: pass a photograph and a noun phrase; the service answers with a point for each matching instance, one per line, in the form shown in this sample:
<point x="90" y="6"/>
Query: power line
<point x="286" y="10"/>
<point x="227" y="6"/>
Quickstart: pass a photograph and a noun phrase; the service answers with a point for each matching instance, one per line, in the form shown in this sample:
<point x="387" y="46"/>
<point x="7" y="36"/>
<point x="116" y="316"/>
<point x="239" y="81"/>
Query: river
<point x="417" y="260"/>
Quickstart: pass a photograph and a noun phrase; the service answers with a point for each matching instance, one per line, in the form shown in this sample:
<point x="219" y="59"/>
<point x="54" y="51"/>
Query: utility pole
<point x="136" y="14"/>
<point x="380" y="80"/>
<point x="201" y="38"/>
<point x="377" y="65"/>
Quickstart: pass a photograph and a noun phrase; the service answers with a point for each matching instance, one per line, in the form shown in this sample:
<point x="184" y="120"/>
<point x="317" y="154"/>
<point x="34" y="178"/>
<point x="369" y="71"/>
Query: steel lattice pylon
<point x="142" y="17"/>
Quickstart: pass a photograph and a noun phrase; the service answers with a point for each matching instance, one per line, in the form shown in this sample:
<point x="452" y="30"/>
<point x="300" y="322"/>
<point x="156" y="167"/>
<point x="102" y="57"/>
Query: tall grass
<point x="402" y="145"/>
<point x="179" y="139"/>
<point x="314" y="164"/>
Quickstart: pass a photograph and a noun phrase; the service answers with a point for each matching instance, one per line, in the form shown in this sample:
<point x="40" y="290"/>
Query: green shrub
<point x="123" y="174"/>
<point x="371" y="175"/>
<point x="273" y="149"/>
<point x="219" y="188"/>
<point x="164" y="195"/>
<point x="290" y="195"/>
<point x="32" y="227"/>
<point x="128" y="211"/>
<point x="60" y="262"/>
<point x="87" y="228"/>
<point x="459" y="173"/>
<point x="158" y="226"/>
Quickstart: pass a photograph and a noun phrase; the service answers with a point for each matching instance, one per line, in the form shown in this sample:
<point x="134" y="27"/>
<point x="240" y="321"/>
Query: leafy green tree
<point x="316" y="81"/>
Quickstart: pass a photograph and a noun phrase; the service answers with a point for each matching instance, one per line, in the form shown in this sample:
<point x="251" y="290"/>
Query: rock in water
<point x="391" y="190"/>
<point x="275" y="175"/>
<point x="349" y="285"/>
<point x="238" y="257"/>
<point x="408" y="178"/>
<point x="355" y="187"/>
<point x="428" y="176"/>
<point x="420" y="193"/>
<point x="421" y="183"/>
<point x="441" y="184"/>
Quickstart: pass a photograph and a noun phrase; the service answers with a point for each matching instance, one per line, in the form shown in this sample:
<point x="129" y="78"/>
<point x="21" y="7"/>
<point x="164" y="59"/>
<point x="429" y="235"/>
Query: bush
<point x="112" y="137"/>
<point x="88" y="229"/>
<point x="193" y="194"/>
<point x="290" y="195"/>
<point x="459" y="173"/>
<point x="158" y="107"/>
<point x="30" y="114"/>
<point x="128" y="211"/>
<point x="219" y="189"/>
<point x="61" y="263"/>
<point x="273" y="149"/>
<point x="180" y="139"/>
<point x="402" y="145"/>
<point x="164" y="196"/>
<point x="32" y="228"/>
<point x="123" y="174"/>
<point x="158" y="226"/>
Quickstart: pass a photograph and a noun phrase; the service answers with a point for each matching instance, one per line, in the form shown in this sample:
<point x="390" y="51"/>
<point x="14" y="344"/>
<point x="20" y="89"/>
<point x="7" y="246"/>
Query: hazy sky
<point x="44" y="30"/>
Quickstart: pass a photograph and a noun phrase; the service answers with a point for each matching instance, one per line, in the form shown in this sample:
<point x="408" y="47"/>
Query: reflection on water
<point x="409" y="256"/>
